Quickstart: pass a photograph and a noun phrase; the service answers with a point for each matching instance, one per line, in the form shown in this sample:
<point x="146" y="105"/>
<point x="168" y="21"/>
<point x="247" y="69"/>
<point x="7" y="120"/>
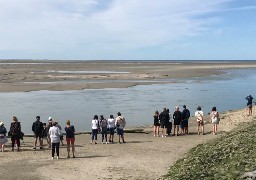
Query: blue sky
<point x="128" y="29"/>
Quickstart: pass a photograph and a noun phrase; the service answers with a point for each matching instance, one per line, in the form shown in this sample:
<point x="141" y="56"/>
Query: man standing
<point x="177" y="117"/>
<point x="120" y="124"/>
<point x="37" y="128"/>
<point x="164" y="122"/>
<point x="249" y="104"/>
<point x="185" y="116"/>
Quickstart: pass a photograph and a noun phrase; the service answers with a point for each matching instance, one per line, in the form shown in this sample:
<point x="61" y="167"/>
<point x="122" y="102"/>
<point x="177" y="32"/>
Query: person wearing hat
<point x="49" y="125"/>
<point x="120" y="124"/>
<point x="38" y="128"/>
<point x="199" y="114"/>
<point x="3" y="138"/>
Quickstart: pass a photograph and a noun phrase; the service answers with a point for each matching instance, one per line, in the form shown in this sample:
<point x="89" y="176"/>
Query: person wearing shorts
<point x="120" y="124"/>
<point x="199" y="114"/>
<point x="249" y="104"/>
<point x="156" y="124"/>
<point x="177" y="117"/>
<point x="70" y="138"/>
<point x="111" y="126"/>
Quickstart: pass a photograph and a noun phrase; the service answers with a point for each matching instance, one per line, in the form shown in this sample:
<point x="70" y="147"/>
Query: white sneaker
<point x="162" y="135"/>
<point x="52" y="157"/>
<point x="57" y="157"/>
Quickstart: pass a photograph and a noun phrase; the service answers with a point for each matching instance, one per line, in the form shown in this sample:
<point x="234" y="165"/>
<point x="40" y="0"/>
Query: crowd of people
<point x="175" y="124"/>
<point x="51" y="132"/>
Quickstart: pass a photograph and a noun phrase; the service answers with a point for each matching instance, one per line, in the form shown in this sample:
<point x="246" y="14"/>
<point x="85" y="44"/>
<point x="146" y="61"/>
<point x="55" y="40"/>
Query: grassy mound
<point x="226" y="157"/>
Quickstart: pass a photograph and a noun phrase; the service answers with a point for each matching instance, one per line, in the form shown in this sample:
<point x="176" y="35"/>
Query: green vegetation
<point x="226" y="157"/>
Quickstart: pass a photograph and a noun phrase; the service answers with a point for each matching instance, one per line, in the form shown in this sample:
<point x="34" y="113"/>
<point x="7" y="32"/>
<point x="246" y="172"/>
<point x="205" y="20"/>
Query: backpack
<point x="37" y="127"/>
<point x="103" y="123"/>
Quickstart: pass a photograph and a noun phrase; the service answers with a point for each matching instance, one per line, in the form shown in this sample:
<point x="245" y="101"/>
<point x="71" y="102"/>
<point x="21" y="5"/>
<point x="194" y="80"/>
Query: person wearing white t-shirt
<point x="199" y="114"/>
<point x="95" y="127"/>
<point x="111" y="126"/>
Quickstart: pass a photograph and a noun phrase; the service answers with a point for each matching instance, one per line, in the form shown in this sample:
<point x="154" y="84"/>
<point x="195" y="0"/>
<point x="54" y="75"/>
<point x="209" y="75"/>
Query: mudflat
<point x="25" y="75"/>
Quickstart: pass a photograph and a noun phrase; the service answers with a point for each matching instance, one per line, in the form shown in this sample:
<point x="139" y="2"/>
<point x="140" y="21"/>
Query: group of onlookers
<point x="103" y="126"/>
<point x="179" y="120"/>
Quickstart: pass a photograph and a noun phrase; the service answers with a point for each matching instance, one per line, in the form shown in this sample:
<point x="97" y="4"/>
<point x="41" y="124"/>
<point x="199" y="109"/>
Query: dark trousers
<point x="57" y="147"/>
<point x="104" y="135"/>
<point x="15" y="138"/>
<point x="94" y="134"/>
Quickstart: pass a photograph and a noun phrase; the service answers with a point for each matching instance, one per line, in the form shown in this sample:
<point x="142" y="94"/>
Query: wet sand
<point x="142" y="157"/>
<point x="18" y="76"/>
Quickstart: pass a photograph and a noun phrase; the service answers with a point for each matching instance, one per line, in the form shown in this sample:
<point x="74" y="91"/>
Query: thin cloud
<point x="96" y="29"/>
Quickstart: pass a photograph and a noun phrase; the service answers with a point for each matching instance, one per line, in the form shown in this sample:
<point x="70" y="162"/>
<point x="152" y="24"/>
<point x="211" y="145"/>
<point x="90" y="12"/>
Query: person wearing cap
<point x="199" y="114"/>
<point x="177" y="117"/>
<point x="3" y="138"/>
<point x="120" y="124"/>
<point x="249" y="104"/>
<point x="185" y="116"/>
<point x="37" y="128"/>
<point x="111" y="126"/>
<point x="49" y="125"/>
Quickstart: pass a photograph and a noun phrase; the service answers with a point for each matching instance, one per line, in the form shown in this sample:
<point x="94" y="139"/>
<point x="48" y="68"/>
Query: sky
<point x="128" y="29"/>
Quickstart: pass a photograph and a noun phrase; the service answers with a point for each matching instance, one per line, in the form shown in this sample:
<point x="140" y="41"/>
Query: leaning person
<point x="15" y="132"/>
<point x="3" y="138"/>
<point x="55" y="133"/>
<point x="120" y="124"/>
<point x="37" y="128"/>
<point x="215" y="120"/>
<point x="200" y="119"/>
<point x="70" y="138"/>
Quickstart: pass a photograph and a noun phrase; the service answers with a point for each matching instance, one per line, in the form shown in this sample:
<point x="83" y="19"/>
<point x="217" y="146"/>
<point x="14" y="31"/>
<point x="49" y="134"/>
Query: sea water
<point x="137" y="104"/>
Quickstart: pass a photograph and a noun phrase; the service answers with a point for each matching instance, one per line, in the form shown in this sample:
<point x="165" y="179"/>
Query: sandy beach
<point x="24" y="75"/>
<point x="142" y="157"/>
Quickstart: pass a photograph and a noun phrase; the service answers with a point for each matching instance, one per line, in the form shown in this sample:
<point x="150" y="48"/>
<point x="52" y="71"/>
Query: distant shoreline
<point x="30" y="75"/>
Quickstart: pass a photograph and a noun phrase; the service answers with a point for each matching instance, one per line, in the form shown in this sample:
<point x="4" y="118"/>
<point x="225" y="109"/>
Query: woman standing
<point x="70" y="138"/>
<point x="104" y="129"/>
<point x="156" y="124"/>
<point x="55" y="133"/>
<point x="215" y="120"/>
<point x="95" y="127"/>
<point x="3" y="138"/>
<point x="15" y="132"/>
<point x="200" y="119"/>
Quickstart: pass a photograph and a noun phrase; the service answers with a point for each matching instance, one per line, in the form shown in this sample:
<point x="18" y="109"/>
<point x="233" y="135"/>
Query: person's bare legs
<point x="68" y="149"/>
<point x="198" y="126"/>
<point x="154" y="130"/>
<point x="202" y="129"/>
<point x="157" y="131"/>
<point x="73" y="149"/>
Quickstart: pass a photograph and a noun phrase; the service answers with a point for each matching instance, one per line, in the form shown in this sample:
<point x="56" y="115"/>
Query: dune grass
<point x="226" y="157"/>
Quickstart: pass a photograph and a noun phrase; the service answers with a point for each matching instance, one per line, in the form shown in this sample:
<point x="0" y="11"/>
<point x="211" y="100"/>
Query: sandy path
<point x="142" y="157"/>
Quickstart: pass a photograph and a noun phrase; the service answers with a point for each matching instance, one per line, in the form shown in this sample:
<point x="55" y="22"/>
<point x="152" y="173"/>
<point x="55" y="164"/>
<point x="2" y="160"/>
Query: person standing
<point x="185" y="116"/>
<point x="49" y="125"/>
<point x="200" y="119"/>
<point x="95" y="127"/>
<point x="37" y="128"/>
<point x="70" y="138"/>
<point x="164" y="121"/>
<point x="177" y="117"/>
<point x="3" y="138"/>
<point x="156" y="124"/>
<point x="104" y="129"/>
<point x="111" y="126"/>
<point x="15" y="131"/>
<point x="55" y="133"/>
<point x="120" y="123"/>
<point x="249" y="104"/>
<point x="215" y="120"/>
<point x="61" y="136"/>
